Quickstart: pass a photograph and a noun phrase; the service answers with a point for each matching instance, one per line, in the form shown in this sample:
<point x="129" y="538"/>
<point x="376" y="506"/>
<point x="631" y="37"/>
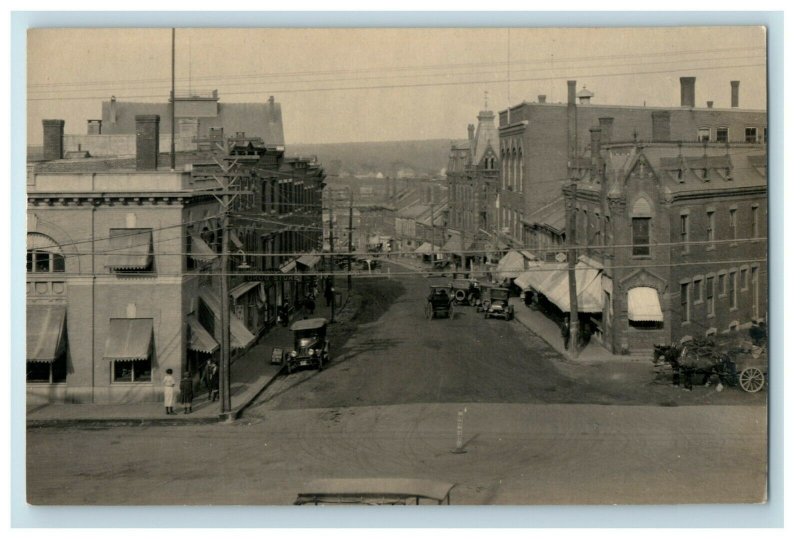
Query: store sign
<point x="561" y="257"/>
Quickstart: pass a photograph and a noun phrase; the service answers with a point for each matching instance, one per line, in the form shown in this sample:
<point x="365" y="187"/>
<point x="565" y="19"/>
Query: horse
<point x="687" y="364"/>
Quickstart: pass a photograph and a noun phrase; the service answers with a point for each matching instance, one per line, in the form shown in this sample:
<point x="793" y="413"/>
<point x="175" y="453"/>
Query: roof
<point x="310" y="323"/>
<point x="486" y="136"/>
<point x="552" y="215"/>
<point x="413" y="211"/>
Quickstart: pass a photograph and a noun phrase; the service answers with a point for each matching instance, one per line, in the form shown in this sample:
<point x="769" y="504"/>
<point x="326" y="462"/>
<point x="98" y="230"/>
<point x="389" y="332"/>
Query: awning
<point x="425" y="249"/>
<point x="588" y="286"/>
<point x="510" y="266"/>
<point x="235" y="240"/>
<point x="45" y="332"/>
<point x="309" y="261"/>
<point x="644" y="305"/>
<point x="201" y="251"/>
<point x="130" y="248"/>
<point x="243" y="289"/>
<point x="200" y="340"/>
<point x="289" y="267"/>
<point x="541" y="277"/>
<point x="129" y="339"/>
<point x="240" y="335"/>
<point x="453" y="245"/>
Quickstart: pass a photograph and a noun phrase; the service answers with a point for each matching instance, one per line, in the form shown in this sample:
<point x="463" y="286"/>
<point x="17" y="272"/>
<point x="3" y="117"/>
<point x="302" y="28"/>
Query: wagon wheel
<point x="428" y="311"/>
<point x="751" y="379"/>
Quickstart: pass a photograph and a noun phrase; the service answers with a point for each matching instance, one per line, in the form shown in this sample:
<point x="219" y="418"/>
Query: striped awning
<point x="644" y="305"/>
<point x="201" y="251"/>
<point x="45" y="332"/>
<point x="200" y="340"/>
<point x="130" y="249"/>
<point x="129" y="339"/>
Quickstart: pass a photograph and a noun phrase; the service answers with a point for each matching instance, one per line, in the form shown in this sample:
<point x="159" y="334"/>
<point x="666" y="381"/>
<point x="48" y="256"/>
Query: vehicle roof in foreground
<point x="311" y="323"/>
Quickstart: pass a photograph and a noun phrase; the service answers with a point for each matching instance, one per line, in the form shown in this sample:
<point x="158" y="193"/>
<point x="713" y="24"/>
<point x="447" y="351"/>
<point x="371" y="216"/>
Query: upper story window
<point x="722" y="134"/>
<point x="751" y="134"/>
<point x="44" y="254"/>
<point x="685" y="231"/>
<point x="703" y="134"/>
<point x="640" y="223"/>
<point x="732" y="222"/>
<point x="710" y="226"/>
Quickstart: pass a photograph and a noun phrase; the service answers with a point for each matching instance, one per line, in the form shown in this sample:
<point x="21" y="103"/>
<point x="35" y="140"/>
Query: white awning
<point x="243" y="289"/>
<point x="511" y="265"/>
<point x="309" y="261"/>
<point x="289" y="267"/>
<point x="129" y="339"/>
<point x="588" y="286"/>
<point x="130" y="249"/>
<point x="201" y="251"/>
<point x="644" y="305"/>
<point x="425" y="249"/>
<point x="45" y="332"/>
<point x="200" y="340"/>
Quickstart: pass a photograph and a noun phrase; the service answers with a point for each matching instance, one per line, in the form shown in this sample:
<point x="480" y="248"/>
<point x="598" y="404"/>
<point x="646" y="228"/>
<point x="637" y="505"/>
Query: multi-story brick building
<point x="537" y="140"/>
<point x="123" y="261"/>
<point x="472" y="173"/>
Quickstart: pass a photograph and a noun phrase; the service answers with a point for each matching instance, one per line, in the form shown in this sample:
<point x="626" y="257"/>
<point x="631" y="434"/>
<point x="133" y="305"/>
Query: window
<point x="722" y="134"/>
<point x="710" y="228"/>
<point x="132" y="371"/>
<point x="732" y="222"/>
<point x="721" y="283"/>
<point x="754" y="222"/>
<point x="710" y="296"/>
<point x="732" y="298"/>
<point x="641" y="236"/>
<point x="697" y="290"/>
<point x="685" y="308"/>
<point x="744" y="279"/>
<point x="685" y="232"/>
<point x="765" y="135"/>
<point x="703" y="134"/>
<point x="44" y="255"/>
<point x="47" y="372"/>
<point x="750" y="134"/>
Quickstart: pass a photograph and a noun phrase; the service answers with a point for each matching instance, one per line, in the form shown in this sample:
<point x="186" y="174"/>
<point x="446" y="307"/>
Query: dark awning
<point x="45" y="332"/>
<point x="201" y="251"/>
<point x="130" y="248"/>
<point x="129" y="339"/>
<point x="201" y="340"/>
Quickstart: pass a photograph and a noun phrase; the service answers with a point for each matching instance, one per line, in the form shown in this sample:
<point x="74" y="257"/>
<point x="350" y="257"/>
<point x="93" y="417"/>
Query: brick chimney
<point x="687" y="92"/>
<point x="661" y="125"/>
<point x="147" y="141"/>
<point x="53" y="139"/>
<point x="471" y="131"/>
<point x="572" y="126"/>
<point x="542" y="98"/>
<point x="594" y="135"/>
<point x="734" y="94"/>
<point x="606" y="130"/>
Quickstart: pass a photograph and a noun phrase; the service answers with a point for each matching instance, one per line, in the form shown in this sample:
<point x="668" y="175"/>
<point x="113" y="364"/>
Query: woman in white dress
<point x="169" y="392"/>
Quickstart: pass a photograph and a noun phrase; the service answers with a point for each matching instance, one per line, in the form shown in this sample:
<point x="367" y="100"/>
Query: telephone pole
<point x="225" y="364"/>
<point x="572" y="256"/>
<point x="433" y="234"/>
<point x="350" y="244"/>
<point x="330" y="240"/>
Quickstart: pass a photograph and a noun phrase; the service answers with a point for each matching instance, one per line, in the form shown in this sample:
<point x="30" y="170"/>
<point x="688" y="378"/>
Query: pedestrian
<point x="565" y="333"/>
<point x="311" y="305"/>
<point x="207" y="377"/>
<point x="328" y="293"/>
<point x="215" y="384"/>
<point x="169" y="392"/>
<point x="187" y="392"/>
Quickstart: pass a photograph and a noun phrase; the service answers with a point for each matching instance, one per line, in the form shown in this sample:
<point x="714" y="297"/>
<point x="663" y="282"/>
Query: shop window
<point x="48" y="372"/>
<point x="132" y="371"/>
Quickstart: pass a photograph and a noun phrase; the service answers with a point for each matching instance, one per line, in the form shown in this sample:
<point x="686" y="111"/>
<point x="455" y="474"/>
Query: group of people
<point x="209" y="378"/>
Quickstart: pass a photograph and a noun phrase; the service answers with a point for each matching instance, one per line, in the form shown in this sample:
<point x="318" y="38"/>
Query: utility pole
<point x="350" y="244"/>
<point x="572" y="255"/>
<point x="433" y="234"/>
<point x="225" y="364"/>
<point x="172" y="109"/>
<point x="330" y="239"/>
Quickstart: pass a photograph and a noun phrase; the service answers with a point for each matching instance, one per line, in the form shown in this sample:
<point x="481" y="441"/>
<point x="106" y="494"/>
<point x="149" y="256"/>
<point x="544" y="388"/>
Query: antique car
<point x="311" y="346"/>
<point x="496" y="304"/>
<point x="368" y="264"/>
<point x="465" y="292"/>
<point x="439" y="303"/>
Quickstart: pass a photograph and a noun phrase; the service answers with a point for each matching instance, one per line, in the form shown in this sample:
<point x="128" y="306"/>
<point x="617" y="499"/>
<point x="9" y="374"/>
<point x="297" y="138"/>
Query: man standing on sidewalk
<point x="565" y="333"/>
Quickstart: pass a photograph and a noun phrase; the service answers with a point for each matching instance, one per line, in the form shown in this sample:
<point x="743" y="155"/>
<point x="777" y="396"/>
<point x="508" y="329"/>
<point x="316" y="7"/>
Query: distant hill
<point x="407" y="158"/>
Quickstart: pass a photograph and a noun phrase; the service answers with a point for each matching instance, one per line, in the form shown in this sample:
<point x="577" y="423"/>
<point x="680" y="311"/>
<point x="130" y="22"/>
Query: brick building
<point x="123" y="261"/>
<point x="472" y="174"/>
<point x="536" y="140"/>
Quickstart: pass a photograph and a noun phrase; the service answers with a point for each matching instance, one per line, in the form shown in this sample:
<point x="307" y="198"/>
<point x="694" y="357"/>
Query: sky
<point x="349" y="85"/>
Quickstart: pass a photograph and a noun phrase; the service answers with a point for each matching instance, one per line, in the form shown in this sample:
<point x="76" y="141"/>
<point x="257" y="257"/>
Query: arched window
<point x="641" y="216"/>
<point x="44" y="254"/>
<point x="513" y="183"/>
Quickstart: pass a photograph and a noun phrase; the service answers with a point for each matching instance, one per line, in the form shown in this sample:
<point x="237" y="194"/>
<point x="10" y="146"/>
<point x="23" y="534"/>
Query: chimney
<point x="710" y="104"/>
<point x="147" y="141"/>
<point x="606" y="130"/>
<point x="687" y="92"/>
<point x="571" y="92"/>
<point x="572" y="127"/>
<point x="542" y="98"/>
<point x="471" y="131"/>
<point x="594" y="135"/>
<point x="53" y="139"/>
<point x="661" y="125"/>
<point x="94" y="127"/>
<point x="734" y="94"/>
<point x="112" y="110"/>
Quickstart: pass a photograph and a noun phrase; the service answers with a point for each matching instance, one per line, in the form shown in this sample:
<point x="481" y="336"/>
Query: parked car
<point x="439" y="303"/>
<point x="311" y="346"/>
<point x="465" y="292"/>
<point x="496" y="303"/>
<point x="368" y="264"/>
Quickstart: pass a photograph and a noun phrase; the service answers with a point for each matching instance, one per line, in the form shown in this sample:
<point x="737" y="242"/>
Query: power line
<point x="422" y="85"/>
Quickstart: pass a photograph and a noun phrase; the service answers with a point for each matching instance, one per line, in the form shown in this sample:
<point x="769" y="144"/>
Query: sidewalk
<point x="251" y="373"/>
<point x="545" y="328"/>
